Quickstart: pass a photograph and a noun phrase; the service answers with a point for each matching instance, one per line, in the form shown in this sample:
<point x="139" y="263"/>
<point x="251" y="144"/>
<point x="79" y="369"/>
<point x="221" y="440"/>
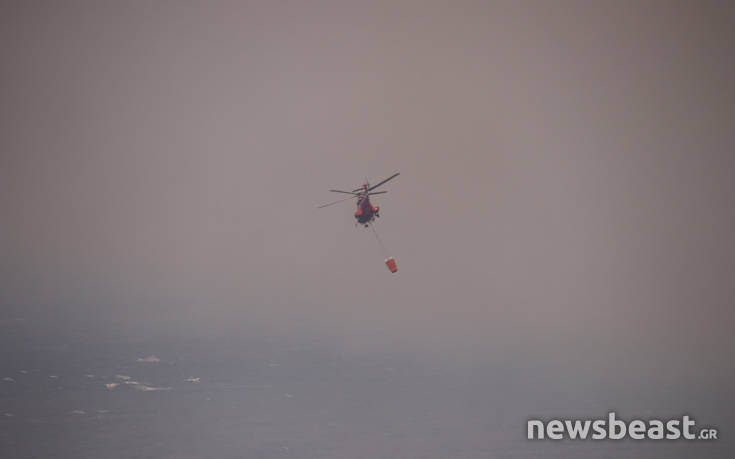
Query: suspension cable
<point x="377" y="238"/>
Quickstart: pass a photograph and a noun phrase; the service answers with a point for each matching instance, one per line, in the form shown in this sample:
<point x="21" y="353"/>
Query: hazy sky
<point x="567" y="174"/>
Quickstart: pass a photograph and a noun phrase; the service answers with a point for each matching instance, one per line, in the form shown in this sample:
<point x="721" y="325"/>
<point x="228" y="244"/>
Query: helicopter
<point x="366" y="212"/>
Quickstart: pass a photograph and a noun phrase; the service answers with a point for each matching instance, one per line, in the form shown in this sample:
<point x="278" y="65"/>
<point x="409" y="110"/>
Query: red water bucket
<point x="391" y="264"/>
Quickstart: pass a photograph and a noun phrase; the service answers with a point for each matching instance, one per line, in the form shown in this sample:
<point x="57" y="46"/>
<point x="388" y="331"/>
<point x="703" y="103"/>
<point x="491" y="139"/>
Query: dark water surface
<point x="87" y="395"/>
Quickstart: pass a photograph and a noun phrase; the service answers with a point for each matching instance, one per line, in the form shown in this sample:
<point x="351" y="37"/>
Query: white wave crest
<point x="144" y="388"/>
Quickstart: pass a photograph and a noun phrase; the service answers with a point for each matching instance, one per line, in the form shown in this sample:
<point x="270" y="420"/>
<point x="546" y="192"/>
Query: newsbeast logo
<point x="614" y="428"/>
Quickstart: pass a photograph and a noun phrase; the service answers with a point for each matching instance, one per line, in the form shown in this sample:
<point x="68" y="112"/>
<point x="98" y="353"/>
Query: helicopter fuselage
<point x="365" y="211"/>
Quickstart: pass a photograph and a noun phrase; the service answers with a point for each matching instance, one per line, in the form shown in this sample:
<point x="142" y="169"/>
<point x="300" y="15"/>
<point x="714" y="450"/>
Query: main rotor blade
<point x="340" y="191"/>
<point x="376" y="192"/>
<point x="335" y="202"/>
<point x="389" y="178"/>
